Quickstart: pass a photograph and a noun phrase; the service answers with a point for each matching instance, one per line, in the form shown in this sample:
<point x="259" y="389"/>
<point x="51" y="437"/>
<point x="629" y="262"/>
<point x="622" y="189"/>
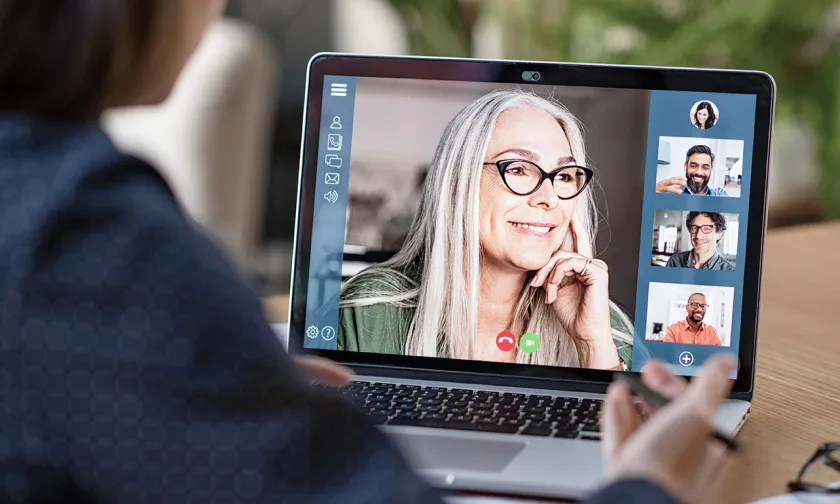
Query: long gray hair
<point x="436" y="273"/>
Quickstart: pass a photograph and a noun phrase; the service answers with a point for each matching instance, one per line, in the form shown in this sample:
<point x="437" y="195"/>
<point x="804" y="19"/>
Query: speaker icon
<point x="331" y="196"/>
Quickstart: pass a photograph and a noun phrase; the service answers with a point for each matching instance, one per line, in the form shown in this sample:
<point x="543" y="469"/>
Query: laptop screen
<point x="563" y="226"/>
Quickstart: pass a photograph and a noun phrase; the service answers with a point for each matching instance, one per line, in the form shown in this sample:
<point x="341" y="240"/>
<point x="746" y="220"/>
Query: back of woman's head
<point x="70" y="60"/>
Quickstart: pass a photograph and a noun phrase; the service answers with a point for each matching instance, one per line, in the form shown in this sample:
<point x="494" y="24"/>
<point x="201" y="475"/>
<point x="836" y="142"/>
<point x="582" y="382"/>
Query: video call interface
<point x="545" y="225"/>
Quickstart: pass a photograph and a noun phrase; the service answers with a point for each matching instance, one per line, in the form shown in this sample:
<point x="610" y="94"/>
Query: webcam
<point x="531" y="76"/>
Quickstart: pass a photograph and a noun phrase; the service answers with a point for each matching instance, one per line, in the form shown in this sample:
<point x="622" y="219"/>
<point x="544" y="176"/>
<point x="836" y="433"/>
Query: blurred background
<point x="233" y="154"/>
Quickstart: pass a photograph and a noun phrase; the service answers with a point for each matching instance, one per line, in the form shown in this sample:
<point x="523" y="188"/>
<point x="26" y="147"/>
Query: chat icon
<point x="333" y="161"/>
<point x="334" y="142"/>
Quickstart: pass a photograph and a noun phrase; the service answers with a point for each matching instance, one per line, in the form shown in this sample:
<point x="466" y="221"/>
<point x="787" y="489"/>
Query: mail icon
<point x="331" y="179"/>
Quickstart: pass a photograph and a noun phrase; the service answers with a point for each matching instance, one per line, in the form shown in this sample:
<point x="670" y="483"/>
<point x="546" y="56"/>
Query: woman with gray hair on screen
<point x="503" y="240"/>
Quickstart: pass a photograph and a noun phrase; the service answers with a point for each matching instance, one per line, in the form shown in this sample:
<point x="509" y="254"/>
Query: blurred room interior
<point x="229" y="139"/>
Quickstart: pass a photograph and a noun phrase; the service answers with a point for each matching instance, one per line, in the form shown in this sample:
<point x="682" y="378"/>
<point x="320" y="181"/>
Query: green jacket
<point x="383" y="328"/>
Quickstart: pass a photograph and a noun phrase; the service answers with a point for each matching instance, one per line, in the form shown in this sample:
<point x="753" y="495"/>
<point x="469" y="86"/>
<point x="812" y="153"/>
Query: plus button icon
<point x="686" y="359"/>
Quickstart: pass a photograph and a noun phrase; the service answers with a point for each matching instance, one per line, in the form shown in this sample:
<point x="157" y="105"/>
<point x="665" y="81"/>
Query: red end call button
<point x="505" y="341"/>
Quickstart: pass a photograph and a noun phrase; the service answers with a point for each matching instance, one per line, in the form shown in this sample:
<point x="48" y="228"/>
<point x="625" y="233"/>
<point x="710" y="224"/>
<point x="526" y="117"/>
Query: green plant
<point x="797" y="42"/>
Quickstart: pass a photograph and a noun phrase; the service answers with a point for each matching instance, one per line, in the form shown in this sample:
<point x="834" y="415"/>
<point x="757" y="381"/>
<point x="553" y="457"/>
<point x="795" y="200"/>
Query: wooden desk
<point x="797" y="400"/>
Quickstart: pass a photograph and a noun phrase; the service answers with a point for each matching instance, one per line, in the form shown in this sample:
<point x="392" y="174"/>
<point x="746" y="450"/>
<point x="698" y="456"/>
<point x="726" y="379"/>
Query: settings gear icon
<point x="312" y="332"/>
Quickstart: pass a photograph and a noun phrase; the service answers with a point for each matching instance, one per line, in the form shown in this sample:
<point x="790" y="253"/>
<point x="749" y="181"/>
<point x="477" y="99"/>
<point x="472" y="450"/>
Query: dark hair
<point x="704" y="105"/>
<point x="70" y="60"/>
<point x="718" y="219"/>
<point x="695" y="294"/>
<point x="699" y="149"/>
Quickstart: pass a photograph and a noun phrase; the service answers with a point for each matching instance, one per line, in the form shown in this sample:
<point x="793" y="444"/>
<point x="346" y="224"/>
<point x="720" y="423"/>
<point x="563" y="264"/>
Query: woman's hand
<point x="324" y="370"/>
<point x="674" y="447"/>
<point x="583" y="304"/>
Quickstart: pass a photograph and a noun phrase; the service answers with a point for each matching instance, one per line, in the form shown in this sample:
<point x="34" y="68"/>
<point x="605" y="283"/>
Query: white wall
<point x="719" y="314"/>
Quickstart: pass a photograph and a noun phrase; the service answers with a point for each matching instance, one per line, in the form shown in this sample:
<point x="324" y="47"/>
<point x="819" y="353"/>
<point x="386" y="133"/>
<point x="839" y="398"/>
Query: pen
<point x="659" y="401"/>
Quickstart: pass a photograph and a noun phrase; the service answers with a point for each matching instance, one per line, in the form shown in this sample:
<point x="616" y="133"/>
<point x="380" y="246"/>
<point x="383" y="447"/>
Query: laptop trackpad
<point x="428" y="451"/>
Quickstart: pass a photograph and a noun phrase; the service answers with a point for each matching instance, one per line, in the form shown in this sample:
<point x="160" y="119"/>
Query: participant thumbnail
<point x="690" y="314"/>
<point x="700" y="166"/>
<point x="693" y="239"/>
<point x="704" y="114"/>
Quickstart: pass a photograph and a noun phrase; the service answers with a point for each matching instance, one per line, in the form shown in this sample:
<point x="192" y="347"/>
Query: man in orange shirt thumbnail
<point x="692" y="330"/>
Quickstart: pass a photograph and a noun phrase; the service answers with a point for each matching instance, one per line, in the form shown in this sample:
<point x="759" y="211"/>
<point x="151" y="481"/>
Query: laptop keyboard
<point x="484" y="411"/>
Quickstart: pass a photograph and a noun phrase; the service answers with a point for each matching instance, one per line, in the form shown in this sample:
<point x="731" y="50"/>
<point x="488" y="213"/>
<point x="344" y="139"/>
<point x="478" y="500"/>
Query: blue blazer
<point x="137" y="366"/>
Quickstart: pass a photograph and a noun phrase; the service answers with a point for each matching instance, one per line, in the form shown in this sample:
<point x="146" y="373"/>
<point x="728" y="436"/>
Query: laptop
<point x="487" y="242"/>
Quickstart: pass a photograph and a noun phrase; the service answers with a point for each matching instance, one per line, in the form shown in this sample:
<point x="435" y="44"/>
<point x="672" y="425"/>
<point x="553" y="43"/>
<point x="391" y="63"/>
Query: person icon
<point x="336" y="123"/>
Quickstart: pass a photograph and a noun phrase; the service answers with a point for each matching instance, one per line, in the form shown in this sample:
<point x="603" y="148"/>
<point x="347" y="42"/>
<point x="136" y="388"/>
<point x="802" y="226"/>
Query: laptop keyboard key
<point x="540" y="425"/>
<point x="536" y="431"/>
<point x="533" y="409"/>
<point x="456" y="404"/>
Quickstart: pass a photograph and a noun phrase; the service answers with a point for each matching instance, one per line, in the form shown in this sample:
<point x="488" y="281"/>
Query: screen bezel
<point x="560" y="74"/>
